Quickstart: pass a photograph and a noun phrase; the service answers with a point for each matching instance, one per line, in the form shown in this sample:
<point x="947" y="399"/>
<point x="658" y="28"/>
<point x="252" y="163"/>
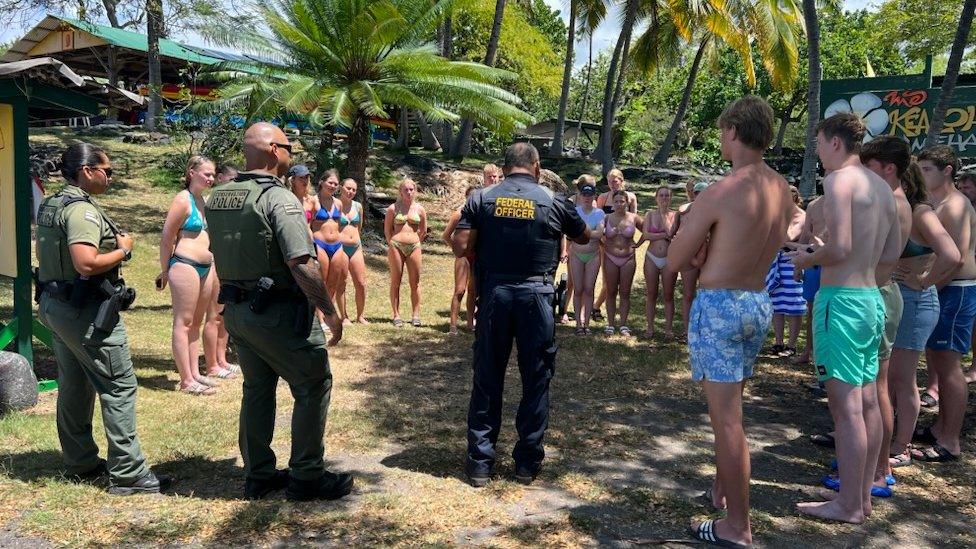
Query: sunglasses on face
<point x="107" y="171"/>
<point x="286" y="146"/>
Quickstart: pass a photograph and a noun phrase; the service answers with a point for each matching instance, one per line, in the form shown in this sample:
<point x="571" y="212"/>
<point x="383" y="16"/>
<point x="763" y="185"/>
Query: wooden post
<point x="23" y="309"/>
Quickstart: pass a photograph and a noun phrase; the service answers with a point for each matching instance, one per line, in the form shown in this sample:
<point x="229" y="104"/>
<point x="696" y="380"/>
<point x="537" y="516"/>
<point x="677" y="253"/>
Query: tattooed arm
<point x="309" y="278"/>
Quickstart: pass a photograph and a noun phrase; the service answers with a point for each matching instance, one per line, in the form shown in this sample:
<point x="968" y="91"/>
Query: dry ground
<point x="629" y="446"/>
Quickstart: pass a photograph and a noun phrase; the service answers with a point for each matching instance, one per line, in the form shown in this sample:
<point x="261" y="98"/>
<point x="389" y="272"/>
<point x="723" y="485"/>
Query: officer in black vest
<point x="515" y="228"/>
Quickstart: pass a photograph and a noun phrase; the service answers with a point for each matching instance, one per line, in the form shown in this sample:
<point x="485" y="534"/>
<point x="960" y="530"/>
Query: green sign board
<point x="902" y="106"/>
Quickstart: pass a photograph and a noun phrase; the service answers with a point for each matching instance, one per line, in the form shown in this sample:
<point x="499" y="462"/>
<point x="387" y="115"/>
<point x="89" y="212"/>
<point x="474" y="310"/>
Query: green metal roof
<point x="137" y="41"/>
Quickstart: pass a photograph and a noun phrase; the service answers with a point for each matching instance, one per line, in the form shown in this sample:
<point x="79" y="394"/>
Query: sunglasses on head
<point x="286" y="146"/>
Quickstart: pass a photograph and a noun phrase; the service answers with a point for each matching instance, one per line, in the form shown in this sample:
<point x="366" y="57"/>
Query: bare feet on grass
<point x="830" y="510"/>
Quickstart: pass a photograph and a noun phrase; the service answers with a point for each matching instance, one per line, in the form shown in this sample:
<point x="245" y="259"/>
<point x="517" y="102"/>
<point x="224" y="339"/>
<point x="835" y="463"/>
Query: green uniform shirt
<point x="255" y="226"/>
<point x="58" y="227"/>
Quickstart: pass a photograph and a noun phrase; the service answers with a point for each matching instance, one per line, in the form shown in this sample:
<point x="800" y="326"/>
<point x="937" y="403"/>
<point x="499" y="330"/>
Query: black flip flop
<point x="924" y="435"/>
<point x="941" y="454"/>
<point x="706" y="532"/>
<point x="929" y="401"/>
<point x="826" y="440"/>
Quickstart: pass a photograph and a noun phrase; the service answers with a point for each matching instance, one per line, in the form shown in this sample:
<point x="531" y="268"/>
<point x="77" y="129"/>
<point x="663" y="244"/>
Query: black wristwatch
<point x="126" y="254"/>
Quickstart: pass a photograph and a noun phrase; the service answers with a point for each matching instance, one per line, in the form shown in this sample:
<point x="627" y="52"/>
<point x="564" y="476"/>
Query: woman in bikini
<point x="185" y="264"/>
<point x="659" y="223"/>
<point x="930" y="255"/>
<point x="405" y="226"/>
<point x="325" y="233"/>
<point x="298" y="179"/>
<point x="615" y="179"/>
<point x="689" y="277"/>
<point x="584" y="259"/>
<point x="619" y="263"/>
<point x="350" y="225"/>
<point x="463" y="281"/>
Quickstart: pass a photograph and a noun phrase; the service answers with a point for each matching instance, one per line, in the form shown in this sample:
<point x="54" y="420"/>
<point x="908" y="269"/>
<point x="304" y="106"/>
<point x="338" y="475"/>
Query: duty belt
<point x="233" y="294"/>
<point x="494" y="277"/>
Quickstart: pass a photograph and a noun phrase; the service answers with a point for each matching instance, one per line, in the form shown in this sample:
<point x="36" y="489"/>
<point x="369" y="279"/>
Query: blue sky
<point x="606" y="35"/>
<point x="603" y="38"/>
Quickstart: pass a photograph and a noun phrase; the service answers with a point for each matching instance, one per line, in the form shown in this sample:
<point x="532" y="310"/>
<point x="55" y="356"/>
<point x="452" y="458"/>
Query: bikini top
<point x="612" y="231"/>
<point x="914" y="249"/>
<point x="334" y="213"/>
<point x="657" y="230"/>
<point x="347" y="220"/>
<point x="593" y="218"/>
<point x="194" y="222"/>
<point x="413" y="220"/>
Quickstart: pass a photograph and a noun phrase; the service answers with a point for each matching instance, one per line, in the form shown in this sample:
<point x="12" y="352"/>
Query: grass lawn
<point x="628" y="449"/>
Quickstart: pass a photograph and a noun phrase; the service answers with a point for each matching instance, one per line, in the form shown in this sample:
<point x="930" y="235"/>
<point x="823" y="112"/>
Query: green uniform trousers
<point x="268" y="349"/>
<point x="92" y="362"/>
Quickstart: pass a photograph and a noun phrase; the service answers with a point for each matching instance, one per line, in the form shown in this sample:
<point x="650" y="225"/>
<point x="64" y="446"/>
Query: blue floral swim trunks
<point x="727" y="329"/>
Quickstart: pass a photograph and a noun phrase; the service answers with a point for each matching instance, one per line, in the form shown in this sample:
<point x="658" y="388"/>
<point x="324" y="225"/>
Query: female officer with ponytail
<point x="79" y="252"/>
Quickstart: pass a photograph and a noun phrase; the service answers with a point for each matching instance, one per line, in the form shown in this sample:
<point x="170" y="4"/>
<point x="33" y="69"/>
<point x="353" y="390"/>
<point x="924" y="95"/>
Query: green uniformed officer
<point x="79" y="251"/>
<point x="270" y="282"/>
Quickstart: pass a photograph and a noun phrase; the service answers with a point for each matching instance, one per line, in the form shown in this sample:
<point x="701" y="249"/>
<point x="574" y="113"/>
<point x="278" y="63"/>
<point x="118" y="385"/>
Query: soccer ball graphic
<point x="868" y="107"/>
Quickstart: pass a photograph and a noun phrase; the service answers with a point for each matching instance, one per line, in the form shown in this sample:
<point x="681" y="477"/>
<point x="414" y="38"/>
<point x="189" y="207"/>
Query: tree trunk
<point x="618" y="87"/>
<point x="462" y="144"/>
<point x="952" y="73"/>
<point x="785" y="118"/>
<point x="556" y="147"/>
<point x="586" y="90"/>
<point x="427" y="138"/>
<point x="609" y="112"/>
<point x="154" y="21"/>
<point x="808" y="179"/>
<point x="445" y="130"/>
<point x="403" y="135"/>
<point x="110" y="13"/>
<point x="358" y="154"/>
<point x="665" y="151"/>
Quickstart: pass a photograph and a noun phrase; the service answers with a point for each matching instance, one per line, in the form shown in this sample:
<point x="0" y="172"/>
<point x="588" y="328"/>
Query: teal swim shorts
<point x="847" y="328"/>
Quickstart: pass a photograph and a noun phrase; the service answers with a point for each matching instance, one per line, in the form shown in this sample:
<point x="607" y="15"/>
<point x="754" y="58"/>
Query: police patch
<point x="228" y="199"/>
<point x="292" y="209"/>
<point x="45" y="215"/>
<point x="514" y="208"/>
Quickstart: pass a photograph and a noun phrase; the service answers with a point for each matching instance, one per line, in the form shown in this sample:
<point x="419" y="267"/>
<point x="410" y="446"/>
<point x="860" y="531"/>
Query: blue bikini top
<point x="350" y="220"/>
<point x="194" y="222"/>
<point x="334" y="213"/>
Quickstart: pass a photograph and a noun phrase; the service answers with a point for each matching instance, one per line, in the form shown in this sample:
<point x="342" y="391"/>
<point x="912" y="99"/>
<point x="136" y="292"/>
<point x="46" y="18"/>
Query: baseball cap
<point x="701" y="186"/>
<point x="589" y="190"/>
<point x="298" y="170"/>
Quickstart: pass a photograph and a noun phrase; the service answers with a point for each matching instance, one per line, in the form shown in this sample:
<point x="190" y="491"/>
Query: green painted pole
<point x="23" y="308"/>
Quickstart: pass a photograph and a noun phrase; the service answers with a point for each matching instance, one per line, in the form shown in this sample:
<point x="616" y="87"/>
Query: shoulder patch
<point x="292" y="209"/>
<point x="228" y="199"/>
<point x="93" y="217"/>
<point x="45" y="215"/>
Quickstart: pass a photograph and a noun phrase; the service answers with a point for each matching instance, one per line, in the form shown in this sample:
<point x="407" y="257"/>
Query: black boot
<point x="258" y="489"/>
<point x="328" y="486"/>
<point x="92" y="474"/>
<point x="146" y="484"/>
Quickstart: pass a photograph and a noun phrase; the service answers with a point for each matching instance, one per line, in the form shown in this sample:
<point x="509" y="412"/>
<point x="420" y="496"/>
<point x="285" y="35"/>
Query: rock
<point x="18" y="385"/>
<point x="422" y="163"/>
<point x="548" y="178"/>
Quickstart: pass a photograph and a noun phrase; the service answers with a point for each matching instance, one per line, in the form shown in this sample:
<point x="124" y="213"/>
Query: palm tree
<point x="340" y="62"/>
<point x="462" y="143"/>
<point x="592" y="13"/>
<point x="809" y="174"/>
<point x="617" y="62"/>
<point x="952" y="72"/>
<point x="154" y="24"/>
<point x="556" y="147"/>
<point x="739" y="24"/>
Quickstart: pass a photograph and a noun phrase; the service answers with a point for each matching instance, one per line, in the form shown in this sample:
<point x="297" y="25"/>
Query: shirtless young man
<point x="732" y="311"/>
<point x="814" y="229"/>
<point x="875" y="156"/>
<point x="966" y="183"/>
<point x="957" y="302"/>
<point x="863" y="231"/>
